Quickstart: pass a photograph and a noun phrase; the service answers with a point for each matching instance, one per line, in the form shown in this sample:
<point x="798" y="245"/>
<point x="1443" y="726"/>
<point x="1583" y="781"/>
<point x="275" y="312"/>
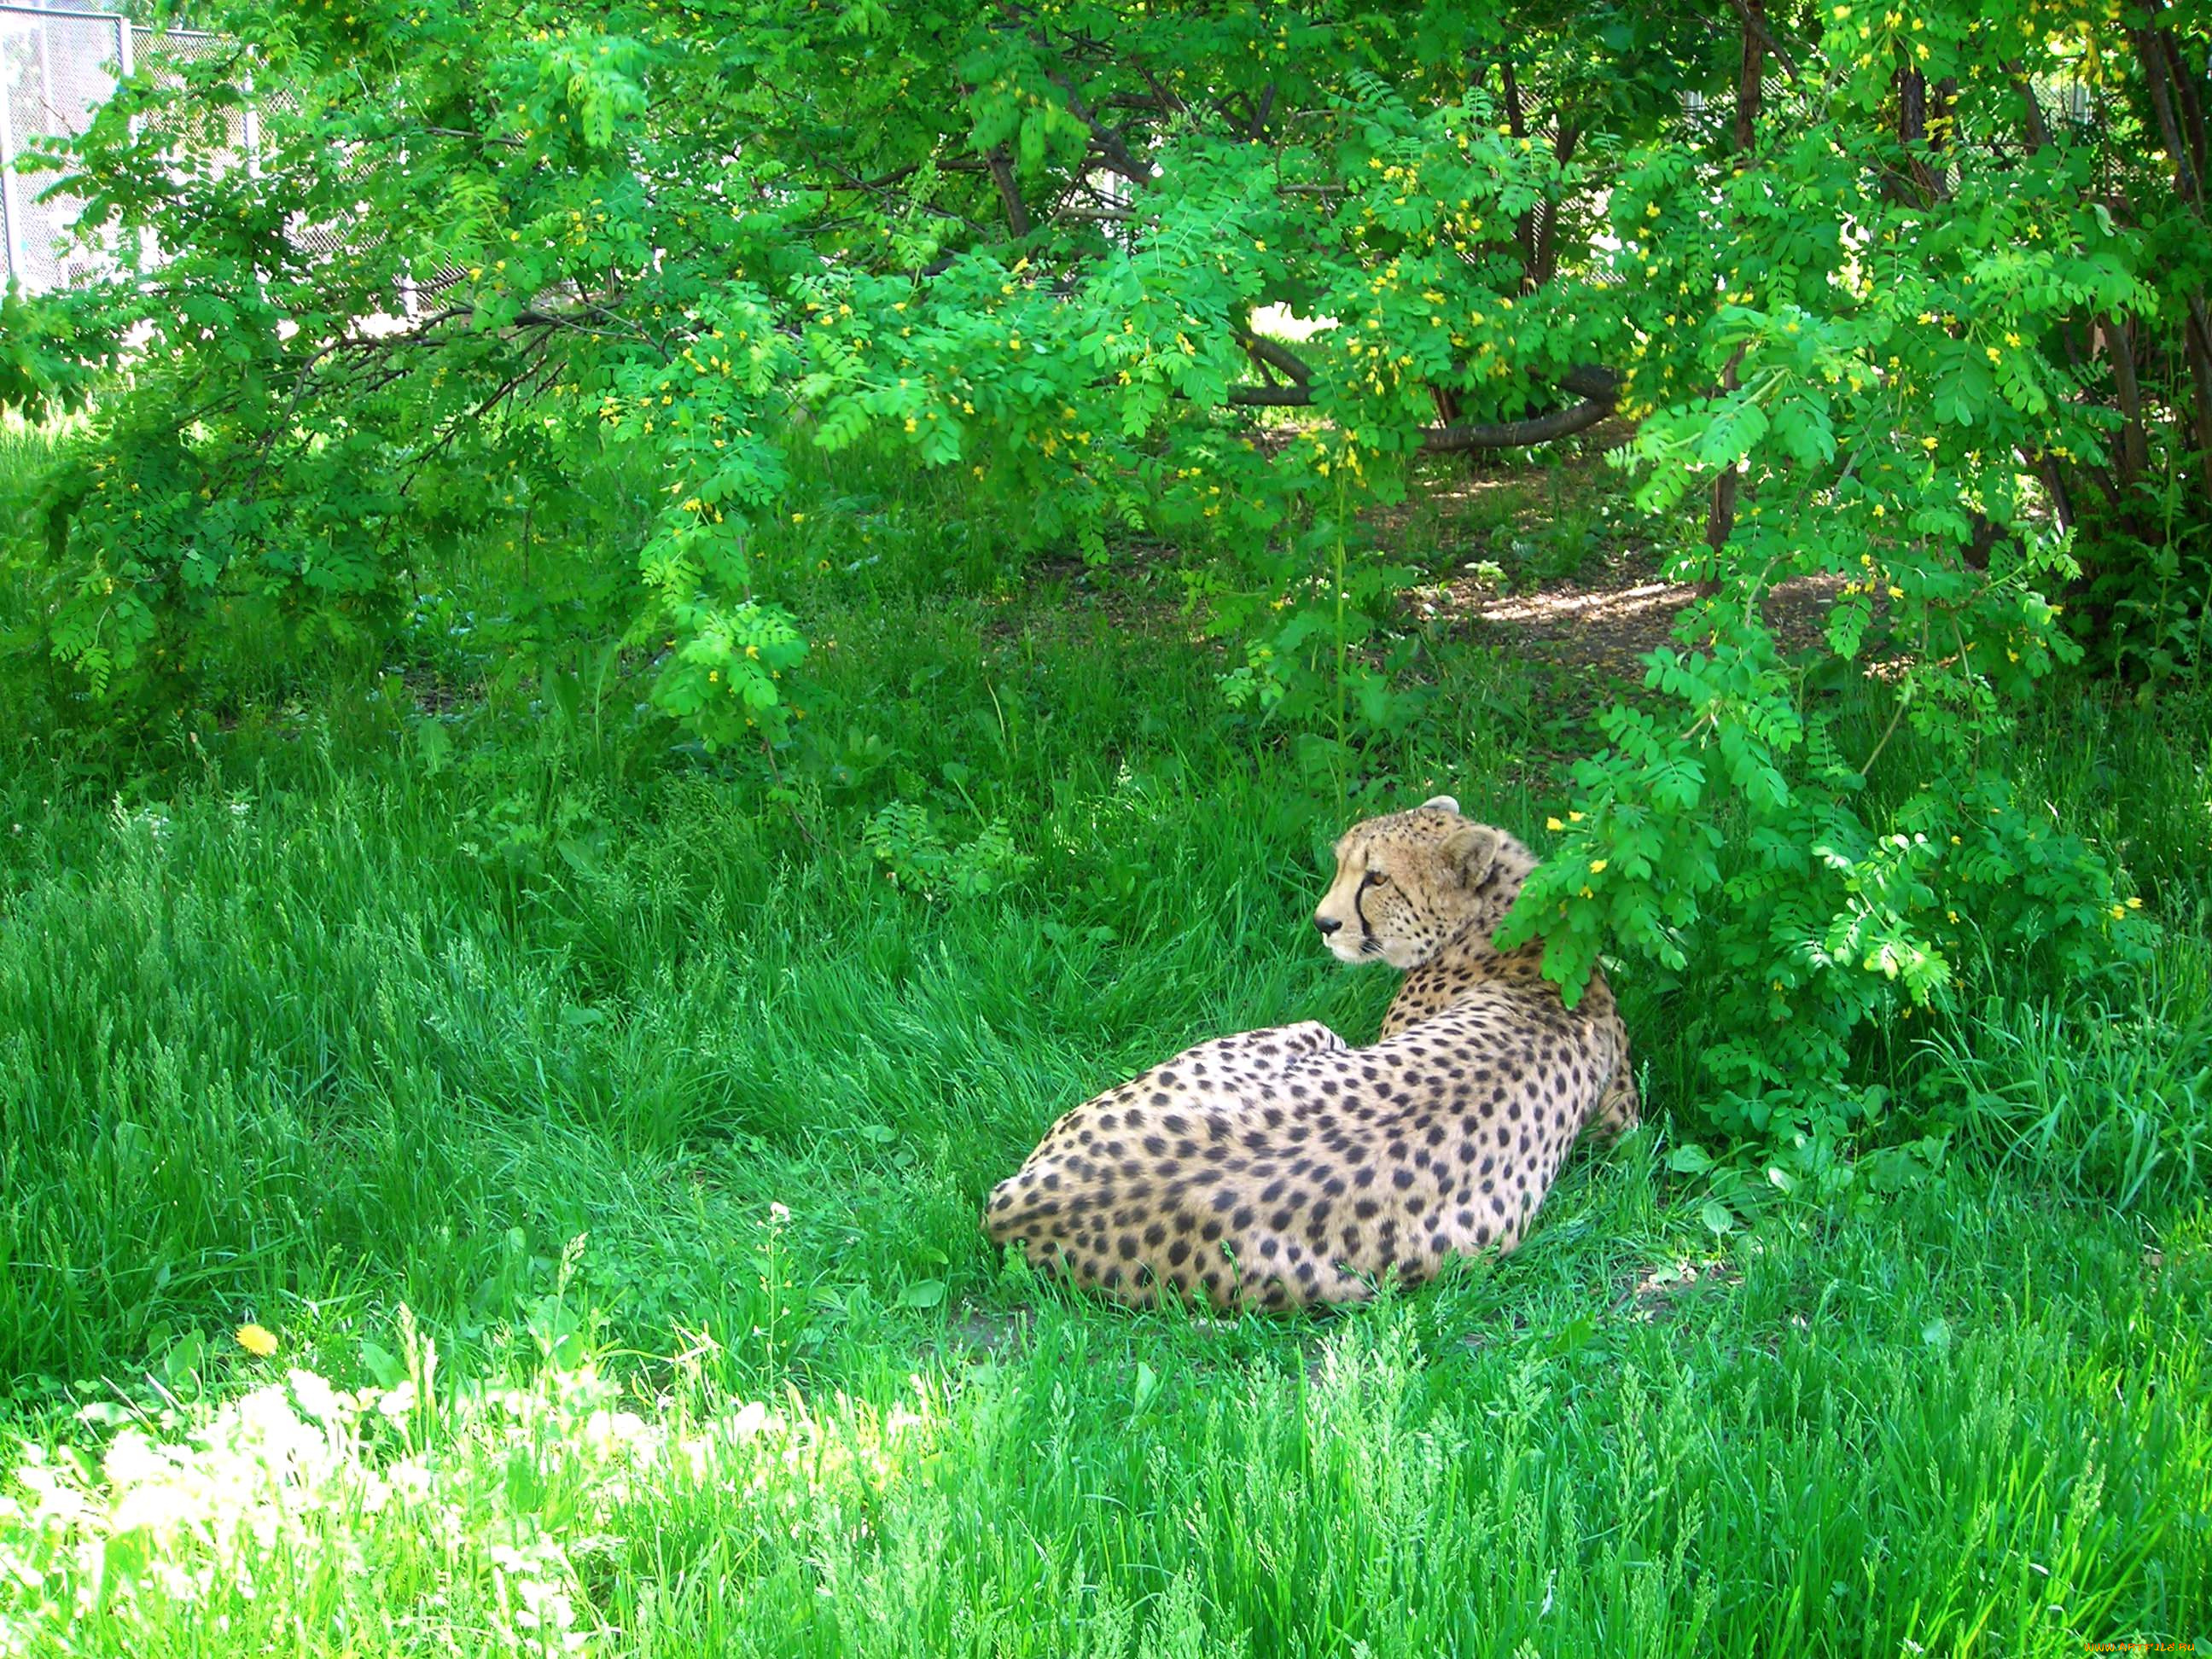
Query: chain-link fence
<point x="59" y="61"/>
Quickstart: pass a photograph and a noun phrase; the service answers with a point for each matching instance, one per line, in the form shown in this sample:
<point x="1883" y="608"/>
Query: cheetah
<point x="1282" y="1168"/>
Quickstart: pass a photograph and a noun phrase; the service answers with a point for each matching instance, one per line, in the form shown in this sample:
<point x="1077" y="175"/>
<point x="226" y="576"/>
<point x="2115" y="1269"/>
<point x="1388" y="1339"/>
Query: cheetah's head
<point x="1407" y="884"/>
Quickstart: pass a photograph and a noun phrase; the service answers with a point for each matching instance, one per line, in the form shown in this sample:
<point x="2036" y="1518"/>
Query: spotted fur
<point x="1281" y="1166"/>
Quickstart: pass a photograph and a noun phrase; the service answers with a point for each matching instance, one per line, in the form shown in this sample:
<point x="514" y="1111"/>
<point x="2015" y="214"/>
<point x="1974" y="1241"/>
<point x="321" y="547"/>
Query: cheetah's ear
<point x="1471" y="849"/>
<point x="1444" y="801"/>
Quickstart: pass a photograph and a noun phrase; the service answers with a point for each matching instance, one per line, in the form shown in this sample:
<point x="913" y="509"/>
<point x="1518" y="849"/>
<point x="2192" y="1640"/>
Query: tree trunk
<point x="2120" y="349"/>
<point x="1720" y="512"/>
<point x="2160" y="58"/>
<point x="1524" y="228"/>
<point x="1751" y="72"/>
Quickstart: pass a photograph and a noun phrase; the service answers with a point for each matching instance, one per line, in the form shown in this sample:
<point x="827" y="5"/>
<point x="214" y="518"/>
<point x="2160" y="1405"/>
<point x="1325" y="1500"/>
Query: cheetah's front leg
<point x="1619" y="1109"/>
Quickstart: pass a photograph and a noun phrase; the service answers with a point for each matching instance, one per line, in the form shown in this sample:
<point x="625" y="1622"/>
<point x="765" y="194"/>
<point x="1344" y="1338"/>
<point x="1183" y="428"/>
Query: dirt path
<point x="1613" y="627"/>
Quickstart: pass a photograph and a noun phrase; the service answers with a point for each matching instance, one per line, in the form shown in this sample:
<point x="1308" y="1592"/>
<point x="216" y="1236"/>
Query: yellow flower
<point x="1574" y="818"/>
<point x="2118" y="910"/>
<point x="1553" y="823"/>
<point x="257" y="1340"/>
<point x="1597" y="866"/>
<point x="2134" y="904"/>
<point x="798" y="518"/>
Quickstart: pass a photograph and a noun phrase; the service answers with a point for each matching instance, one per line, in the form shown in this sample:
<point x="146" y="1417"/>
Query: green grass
<point x="610" y="1134"/>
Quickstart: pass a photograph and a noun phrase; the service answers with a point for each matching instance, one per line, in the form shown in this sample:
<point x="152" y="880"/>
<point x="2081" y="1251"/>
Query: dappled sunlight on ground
<point x="1614" y="626"/>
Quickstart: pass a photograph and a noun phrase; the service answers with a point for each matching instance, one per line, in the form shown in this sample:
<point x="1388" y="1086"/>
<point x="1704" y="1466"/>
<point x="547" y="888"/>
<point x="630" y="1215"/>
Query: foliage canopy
<point x="1909" y="295"/>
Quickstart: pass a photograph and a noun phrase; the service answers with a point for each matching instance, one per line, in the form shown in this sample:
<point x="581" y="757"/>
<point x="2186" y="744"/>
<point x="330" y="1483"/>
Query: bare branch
<point x="1599" y="388"/>
<point x="1516" y="434"/>
<point x="1277" y="356"/>
<point x="1109" y="144"/>
<point x="1002" y="174"/>
<point x="1754" y="13"/>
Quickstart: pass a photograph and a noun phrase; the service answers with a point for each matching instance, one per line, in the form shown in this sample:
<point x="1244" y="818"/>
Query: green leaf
<point x="1689" y="1158"/>
<point x="382" y="1365"/>
<point x="1148" y="1383"/>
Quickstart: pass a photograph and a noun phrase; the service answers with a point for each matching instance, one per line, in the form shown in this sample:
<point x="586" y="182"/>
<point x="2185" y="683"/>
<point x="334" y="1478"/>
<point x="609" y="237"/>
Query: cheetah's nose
<point x="1327" y="923"/>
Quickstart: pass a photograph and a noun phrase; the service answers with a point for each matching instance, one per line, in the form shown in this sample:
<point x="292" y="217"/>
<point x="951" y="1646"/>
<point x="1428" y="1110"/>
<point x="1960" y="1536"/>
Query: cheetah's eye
<point x="1374" y="878"/>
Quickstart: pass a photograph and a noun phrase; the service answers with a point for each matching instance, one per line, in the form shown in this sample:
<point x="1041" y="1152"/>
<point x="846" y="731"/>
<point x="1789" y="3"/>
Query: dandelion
<point x="257" y="1340"/>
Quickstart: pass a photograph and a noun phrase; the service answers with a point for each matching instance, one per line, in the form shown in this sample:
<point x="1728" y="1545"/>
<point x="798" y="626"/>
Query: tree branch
<point x="1599" y="387"/>
<point x="1277" y="356"/>
<point x="1109" y="142"/>
<point x="1002" y="174"/>
<point x="1516" y="434"/>
<point x="1754" y="22"/>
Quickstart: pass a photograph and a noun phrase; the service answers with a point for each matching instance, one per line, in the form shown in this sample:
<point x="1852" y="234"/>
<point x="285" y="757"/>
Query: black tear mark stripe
<point x="1359" y="910"/>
